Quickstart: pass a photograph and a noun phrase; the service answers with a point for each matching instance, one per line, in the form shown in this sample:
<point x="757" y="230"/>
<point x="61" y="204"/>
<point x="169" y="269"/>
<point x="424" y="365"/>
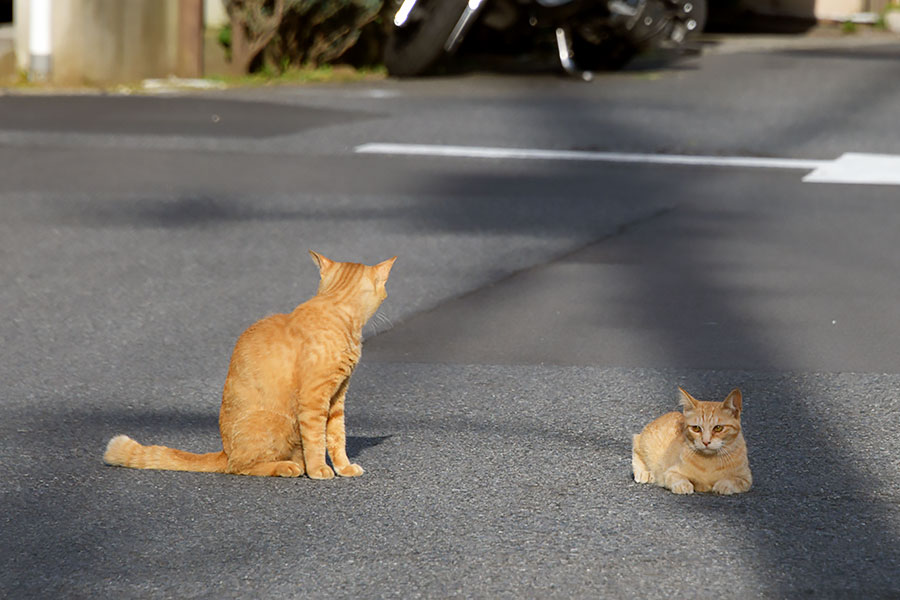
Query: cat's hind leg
<point x="297" y="457"/>
<point x="278" y="468"/>
<point x="260" y="444"/>
<point x="641" y="473"/>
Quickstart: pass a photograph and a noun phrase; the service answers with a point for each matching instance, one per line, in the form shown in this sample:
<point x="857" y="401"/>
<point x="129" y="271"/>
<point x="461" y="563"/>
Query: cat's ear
<point x="688" y="401"/>
<point x="321" y="262"/>
<point x="383" y="269"/>
<point x="733" y="402"/>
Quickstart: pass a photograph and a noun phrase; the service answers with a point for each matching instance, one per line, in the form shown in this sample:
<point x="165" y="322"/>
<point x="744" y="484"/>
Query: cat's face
<point x="711" y="426"/>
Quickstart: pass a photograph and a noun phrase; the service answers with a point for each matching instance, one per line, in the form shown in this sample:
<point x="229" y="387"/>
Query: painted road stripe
<point x="578" y="155"/>
<point x="849" y="168"/>
<point x="856" y="167"/>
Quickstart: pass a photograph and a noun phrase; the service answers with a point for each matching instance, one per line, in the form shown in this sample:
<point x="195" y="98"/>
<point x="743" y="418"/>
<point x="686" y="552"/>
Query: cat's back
<point x="305" y="323"/>
<point x="265" y="341"/>
<point x="668" y="426"/>
<point x="267" y="331"/>
<point x="278" y="340"/>
<point x="660" y="436"/>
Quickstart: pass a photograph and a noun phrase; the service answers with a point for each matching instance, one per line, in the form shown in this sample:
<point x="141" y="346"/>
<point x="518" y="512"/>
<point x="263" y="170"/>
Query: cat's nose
<point x="705" y="443"/>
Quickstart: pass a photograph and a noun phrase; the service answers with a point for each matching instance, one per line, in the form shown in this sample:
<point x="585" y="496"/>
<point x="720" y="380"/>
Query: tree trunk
<point x="190" y="38"/>
<point x="251" y="30"/>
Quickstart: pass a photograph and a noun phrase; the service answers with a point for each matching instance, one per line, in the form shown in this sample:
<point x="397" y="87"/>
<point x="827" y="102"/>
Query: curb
<point x="817" y="39"/>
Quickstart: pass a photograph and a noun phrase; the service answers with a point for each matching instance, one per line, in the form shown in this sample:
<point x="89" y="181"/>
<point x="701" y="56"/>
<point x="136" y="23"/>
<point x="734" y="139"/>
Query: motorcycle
<point x="589" y="35"/>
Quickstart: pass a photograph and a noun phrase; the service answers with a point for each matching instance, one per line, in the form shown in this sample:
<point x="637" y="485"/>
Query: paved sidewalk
<point x="817" y="38"/>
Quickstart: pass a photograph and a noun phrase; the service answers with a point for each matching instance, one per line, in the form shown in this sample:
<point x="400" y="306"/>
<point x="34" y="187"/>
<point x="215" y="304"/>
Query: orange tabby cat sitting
<point x="283" y="402"/>
<point x="700" y="450"/>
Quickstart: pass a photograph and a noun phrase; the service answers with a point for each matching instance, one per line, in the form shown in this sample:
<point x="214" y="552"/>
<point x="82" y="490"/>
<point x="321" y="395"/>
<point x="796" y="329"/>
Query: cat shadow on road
<point x="357" y="444"/>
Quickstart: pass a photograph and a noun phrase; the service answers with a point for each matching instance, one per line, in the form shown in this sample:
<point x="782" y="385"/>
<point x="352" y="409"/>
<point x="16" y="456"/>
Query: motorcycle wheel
<point x="699" y="14"/>
<point x="416" y="47"/>
<point x="612" y="52"/>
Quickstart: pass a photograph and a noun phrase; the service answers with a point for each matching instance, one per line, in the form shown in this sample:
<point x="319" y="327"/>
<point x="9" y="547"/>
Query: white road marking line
<point x="580" y="155"/>
<point x="854" y="168"/>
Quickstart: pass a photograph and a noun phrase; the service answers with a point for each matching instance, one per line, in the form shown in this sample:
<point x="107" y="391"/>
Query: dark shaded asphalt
<point x="150" y="116"/>
<point x="539" y="314"/>
<point x="741" y="271"/>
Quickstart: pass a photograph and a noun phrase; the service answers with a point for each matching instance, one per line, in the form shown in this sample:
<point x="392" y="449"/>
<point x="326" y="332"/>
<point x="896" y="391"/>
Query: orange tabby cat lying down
<point x="283" y="402"/>
<point x="700" y="450"/>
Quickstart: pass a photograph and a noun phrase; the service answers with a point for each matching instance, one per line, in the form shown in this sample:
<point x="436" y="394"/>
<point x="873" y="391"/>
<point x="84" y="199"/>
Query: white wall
<point x="214" y="13"/>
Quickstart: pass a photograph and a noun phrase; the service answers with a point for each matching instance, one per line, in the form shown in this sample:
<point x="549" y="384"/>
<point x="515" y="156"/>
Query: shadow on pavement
<point x="813" y="514"/>
<point x="358" y="444"/>
<point x="202" y="117"/>
<point x="815" y="522"/>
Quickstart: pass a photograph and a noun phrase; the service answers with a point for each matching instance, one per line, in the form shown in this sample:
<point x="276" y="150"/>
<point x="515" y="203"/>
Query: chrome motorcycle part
<point x="462" y="26"/>
<point x="564" y="45"/>
<point x="402" y="14"/>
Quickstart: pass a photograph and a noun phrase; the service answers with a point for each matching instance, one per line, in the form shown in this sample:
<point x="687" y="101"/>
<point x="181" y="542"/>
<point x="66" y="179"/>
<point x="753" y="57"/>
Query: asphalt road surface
<point x="541" y="311"/>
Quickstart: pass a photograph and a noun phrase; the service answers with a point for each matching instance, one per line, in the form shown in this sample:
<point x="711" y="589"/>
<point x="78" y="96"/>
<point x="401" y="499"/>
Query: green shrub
<point x="280" y="34"/>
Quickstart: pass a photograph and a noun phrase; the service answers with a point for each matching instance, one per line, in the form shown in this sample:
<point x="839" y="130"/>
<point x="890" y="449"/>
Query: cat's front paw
<point x="729" y="486"/>
<point x="682" y="486"/>
<point x="642" y="475"/>
<point x="353" y="470"/>
<point x="323" y="472"/>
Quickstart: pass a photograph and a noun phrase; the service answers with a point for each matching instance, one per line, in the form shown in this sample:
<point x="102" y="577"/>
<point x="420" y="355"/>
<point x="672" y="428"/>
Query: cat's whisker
<point x="371" y="324"/>
<point x="382" y="319"/>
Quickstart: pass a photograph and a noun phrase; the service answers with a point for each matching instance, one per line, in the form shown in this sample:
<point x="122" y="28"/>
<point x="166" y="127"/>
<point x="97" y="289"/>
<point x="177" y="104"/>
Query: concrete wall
<point x="126" y="41"/>
<point x="106" y="41"/>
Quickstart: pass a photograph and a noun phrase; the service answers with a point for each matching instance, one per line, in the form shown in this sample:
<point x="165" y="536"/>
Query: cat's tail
<point x="122" y="451"/>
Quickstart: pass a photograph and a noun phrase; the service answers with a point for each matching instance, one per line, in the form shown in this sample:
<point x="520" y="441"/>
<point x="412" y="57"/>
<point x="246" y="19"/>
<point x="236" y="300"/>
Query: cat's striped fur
<point x="283" y="402"/>
<point x="699" y="450"/>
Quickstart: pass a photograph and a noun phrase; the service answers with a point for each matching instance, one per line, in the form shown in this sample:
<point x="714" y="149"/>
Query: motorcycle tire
<point x="610" y="54"/>
<point x="413" y="49"/>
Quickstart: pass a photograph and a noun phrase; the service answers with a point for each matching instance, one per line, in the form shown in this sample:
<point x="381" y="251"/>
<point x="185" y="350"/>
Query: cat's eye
<point x="718" y="428"/>
<point x="696" y="428"/>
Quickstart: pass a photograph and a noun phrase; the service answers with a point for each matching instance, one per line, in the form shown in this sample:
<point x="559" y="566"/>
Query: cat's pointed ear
<point x="688" y="401"/>
<point x="321" y="262"/>
<point x="733" y="402"/>
<point x="383" y="269"/>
